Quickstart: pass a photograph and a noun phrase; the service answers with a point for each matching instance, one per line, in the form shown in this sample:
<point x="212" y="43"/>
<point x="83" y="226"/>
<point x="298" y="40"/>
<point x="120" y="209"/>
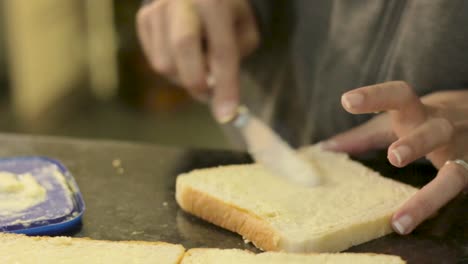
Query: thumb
<point x="374" y="134"/>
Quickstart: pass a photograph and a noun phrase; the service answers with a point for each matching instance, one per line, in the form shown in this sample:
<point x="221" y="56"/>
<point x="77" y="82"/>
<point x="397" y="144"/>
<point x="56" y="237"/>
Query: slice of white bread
<point x="353" y="204"/>
<point x="236" y="256"/>
<point x="65" y="250"/>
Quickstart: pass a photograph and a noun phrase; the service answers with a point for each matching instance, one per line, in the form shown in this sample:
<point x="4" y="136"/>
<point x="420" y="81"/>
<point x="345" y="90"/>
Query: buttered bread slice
<point x="354" y="204"/>
<point x="236" y="256"/>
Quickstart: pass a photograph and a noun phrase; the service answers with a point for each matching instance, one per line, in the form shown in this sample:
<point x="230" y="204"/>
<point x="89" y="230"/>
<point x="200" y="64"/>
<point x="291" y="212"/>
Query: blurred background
<point x="75" y="68"/>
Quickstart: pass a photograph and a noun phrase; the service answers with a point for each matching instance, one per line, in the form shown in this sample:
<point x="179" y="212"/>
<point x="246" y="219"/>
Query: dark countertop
<point x="136" y="201"/>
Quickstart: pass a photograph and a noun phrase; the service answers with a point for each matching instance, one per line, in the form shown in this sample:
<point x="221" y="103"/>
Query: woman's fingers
<point x="185" y="37"/>
<point x="397" y="97"/>
<point x="223" y="56"/>
<point x="153" y="31"/>
<point x="144" y="31"/>
<point x="161" y="56"/>
<point x="434" y="132"/>
<point x="173" y="34"/>
<point x="450" y="181"/>
<point x="429" y="136"/>
<point x="374" y="134"/>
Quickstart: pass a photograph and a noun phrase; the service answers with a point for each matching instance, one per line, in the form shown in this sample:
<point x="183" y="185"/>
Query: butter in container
<point x="38" y="196"/>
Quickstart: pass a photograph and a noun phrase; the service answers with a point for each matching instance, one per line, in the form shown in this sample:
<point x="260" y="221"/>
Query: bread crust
<point x="228" y="216"/>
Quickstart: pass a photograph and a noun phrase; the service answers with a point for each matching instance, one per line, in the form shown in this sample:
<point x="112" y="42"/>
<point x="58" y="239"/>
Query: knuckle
<point x="460" y="175"/>
<point x="158" y="6"/>
<point x="403" y="85"/>
<point x="154" y="64"/>
<point x="426" y="207"/>
<point x="407" y="91"/>
<point x="140" y="17"/>
<point x="228" y="94"/>
<point x="152" y="8"/>
<point x="252" y="40"/>
<point x="463" y="179"/>
<point x="161" y="65"/>
<point x="255" y="38"/>
<point x="195" y="84"/>
<point x="148" y="8"/>
<point x="200" y="94"/>
<point x="446" y="127"/>
<point x="225" y="54"/>
<point x="184" y="42"/>
<point x="430" y="136"/>
<point x="419" y="144"/>
<point x="175" y="80"/>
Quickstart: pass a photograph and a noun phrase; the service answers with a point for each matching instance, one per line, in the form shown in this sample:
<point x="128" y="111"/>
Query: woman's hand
<point x="435" y="127"/>
<point x="184" y="39"/>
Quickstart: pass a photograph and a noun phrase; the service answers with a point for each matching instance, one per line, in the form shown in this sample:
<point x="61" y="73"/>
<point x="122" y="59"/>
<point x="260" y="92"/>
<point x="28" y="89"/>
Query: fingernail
<point x="352" y="100"/>
<point x="401" y="153"/>
<point x="225" y="112"/>
<point x="403" y="224"/>
<point x="328" y="145"/>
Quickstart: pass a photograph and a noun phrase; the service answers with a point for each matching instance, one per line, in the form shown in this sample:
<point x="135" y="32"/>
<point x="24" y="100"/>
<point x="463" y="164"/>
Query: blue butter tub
<point x="60" y="211"/>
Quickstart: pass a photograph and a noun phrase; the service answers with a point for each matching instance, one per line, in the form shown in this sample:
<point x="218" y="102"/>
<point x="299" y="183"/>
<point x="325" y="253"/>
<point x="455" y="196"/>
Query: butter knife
<point x="268" y="149"/>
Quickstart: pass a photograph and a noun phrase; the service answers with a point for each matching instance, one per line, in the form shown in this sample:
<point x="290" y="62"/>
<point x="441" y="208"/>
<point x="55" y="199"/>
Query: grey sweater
<point x="314" y="50"/>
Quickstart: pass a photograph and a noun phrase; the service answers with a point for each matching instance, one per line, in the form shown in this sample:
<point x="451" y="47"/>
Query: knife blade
<point x="268" y="149"/>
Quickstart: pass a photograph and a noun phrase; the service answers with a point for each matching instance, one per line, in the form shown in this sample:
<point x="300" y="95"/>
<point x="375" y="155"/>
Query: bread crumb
<point x="120" y="171"/>
<point x="134" y="233"/>
<point x="165" y="204"/>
